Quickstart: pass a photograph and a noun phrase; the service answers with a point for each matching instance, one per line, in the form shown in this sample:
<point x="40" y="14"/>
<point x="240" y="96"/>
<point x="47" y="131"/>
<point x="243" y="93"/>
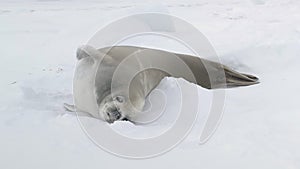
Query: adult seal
<point x="112" y="83"/>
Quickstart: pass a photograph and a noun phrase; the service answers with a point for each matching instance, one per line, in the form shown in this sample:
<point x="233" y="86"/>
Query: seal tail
<point x="213" y="75"/>
<point x="236" y="79"/>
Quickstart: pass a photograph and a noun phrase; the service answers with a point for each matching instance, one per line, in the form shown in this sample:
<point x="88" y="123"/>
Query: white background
<point x="261" y="124"/>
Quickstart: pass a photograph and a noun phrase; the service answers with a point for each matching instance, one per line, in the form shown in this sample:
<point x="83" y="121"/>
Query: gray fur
<point x="120" y="105"/>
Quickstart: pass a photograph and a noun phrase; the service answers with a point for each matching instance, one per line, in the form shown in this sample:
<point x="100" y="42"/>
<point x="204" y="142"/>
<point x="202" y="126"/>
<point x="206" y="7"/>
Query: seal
<point x="109" y="97"/>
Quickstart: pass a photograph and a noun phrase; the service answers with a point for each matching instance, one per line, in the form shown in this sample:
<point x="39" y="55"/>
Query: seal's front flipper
<point x="86" y="51"/>
<point x="72" y="108"/>
<point x="69" y="107"/>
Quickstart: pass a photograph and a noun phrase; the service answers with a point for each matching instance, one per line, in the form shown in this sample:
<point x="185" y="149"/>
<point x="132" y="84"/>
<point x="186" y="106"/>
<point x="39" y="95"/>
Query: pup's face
<point x="112" y="109"/>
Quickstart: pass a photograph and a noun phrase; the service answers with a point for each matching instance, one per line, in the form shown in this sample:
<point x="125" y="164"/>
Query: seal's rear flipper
<point x="213" y="75"/>
<point x="235" y="79"/>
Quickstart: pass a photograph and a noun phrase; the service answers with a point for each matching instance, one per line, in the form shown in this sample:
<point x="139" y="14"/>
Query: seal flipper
<point x="235" y="79"/>
<point x="69" y="107"/>
<point x="85" y="51"/>
<point x="213" y="75"/>
<point x="72" y="108"/>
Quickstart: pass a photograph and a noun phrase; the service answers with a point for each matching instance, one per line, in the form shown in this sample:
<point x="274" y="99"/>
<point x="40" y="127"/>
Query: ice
<point x="260" y="126"/>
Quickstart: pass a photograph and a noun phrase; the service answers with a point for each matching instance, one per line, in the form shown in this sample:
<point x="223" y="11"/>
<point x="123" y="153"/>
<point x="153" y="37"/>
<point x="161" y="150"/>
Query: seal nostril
<point x="114" y="115"/>
<point x="117" y="115"/>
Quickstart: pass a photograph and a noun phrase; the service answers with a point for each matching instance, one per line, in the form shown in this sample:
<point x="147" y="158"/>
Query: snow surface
<point x="260" y="127"/>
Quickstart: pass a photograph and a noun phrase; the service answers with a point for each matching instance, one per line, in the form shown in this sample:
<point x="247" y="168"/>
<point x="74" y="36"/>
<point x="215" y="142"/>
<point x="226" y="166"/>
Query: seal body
<point x="112" y="83"/>
<point x="84" y="81"/>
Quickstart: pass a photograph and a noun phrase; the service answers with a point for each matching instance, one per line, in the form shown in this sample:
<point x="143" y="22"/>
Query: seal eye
<point x="120" y="99"/>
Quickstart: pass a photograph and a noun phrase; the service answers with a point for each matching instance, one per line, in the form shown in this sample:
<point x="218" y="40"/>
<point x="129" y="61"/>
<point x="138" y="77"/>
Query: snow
<point x="260" y="126"/>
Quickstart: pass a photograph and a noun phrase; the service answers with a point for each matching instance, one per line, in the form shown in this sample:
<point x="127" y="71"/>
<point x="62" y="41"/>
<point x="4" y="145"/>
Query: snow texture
<point x="260" y="126"/>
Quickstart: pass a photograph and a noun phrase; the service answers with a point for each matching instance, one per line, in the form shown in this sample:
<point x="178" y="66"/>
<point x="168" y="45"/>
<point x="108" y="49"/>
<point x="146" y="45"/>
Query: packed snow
<point x="260" y="127"/>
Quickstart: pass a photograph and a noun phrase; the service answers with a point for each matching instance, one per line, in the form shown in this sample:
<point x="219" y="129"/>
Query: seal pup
<point x="96" y="94"/>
